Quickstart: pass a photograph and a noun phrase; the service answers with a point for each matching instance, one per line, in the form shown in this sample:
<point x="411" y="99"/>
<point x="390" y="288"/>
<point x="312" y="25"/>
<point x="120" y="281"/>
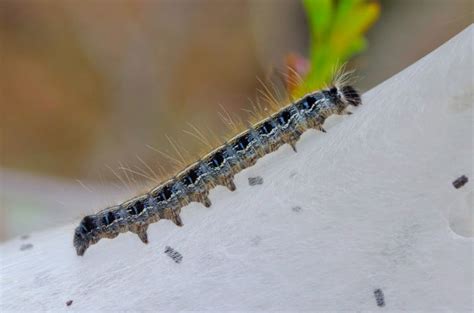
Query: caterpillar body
<point x="218" y="167"/>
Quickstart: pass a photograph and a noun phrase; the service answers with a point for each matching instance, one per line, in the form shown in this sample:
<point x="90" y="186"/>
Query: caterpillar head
<point x="349" y="95"/>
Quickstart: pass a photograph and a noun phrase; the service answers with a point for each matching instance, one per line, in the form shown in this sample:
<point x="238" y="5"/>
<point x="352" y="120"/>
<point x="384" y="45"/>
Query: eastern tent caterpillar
<point x="218" y="167"/>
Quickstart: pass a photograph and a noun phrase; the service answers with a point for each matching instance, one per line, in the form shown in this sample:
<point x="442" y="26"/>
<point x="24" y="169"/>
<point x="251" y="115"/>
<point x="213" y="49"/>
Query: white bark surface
<point x="369" y="205"/>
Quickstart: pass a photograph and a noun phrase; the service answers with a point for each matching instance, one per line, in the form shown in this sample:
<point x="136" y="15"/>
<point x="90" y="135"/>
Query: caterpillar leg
<point x="172" y="215"/>
<point x="175" y="218"/>
<point x="111" y="234"/>
<point x="141" y="232"/>
<point x="292" y="139"/>
<point x="293" y="145"/>
<point x="231" y="185"/>
<point x="80" y="250"/>
<point x="204" y="199"/>
<point x="344" y="112"/>
<point x="228" y="181"/>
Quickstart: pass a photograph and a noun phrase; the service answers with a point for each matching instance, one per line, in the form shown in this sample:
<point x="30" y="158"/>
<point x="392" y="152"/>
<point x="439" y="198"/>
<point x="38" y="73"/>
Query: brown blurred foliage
<point x="46" y="118"/>
<point x="90" y="83"/>
<point x="86" y="84"/>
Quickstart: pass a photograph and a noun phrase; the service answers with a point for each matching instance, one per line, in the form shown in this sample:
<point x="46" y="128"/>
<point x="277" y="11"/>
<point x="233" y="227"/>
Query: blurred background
<point x="87" y="86"/>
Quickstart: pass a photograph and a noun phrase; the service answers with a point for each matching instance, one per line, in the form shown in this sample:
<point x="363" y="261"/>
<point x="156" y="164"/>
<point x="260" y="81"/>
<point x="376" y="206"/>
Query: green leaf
<point x="319" y="14"/>
<point x="337" y="31"/>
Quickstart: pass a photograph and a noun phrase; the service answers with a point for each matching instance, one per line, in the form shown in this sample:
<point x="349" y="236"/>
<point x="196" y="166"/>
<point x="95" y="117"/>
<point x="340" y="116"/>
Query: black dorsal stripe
<point x="136" y="208"/>
<point x="217" y="159"/>
<point x="110" y="217"/>
<point x="160" y="196"/>
<point x="303" y="105"/>
<point x="139" y="207"/>
<point x="284" y="117"/>
<point x="331" y="94"/>
<point x="311" y="100"/>
<point x="105" y="220"/>
<point x="191" y="177"/>
<point x="166" y="193"/>
<point x="241" y="143"/>
<point x="132" y="210"/>
<point x="308" y="102"/>
<point x="266" y="128"/>
<point x="163" y="194"/>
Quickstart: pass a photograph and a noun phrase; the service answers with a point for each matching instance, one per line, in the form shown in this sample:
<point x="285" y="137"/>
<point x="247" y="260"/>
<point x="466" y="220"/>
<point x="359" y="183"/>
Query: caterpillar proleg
<point x="218" y="167"/>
